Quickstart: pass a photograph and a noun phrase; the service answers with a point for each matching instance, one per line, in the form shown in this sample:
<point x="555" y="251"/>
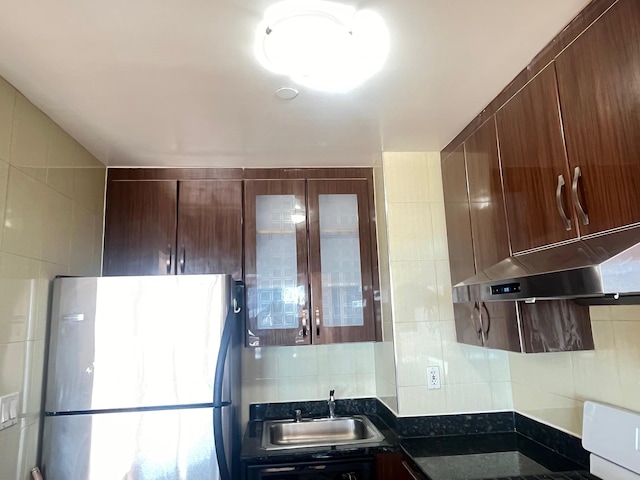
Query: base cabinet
<point x="345" y="469"/>
<point x="397" y="466"/>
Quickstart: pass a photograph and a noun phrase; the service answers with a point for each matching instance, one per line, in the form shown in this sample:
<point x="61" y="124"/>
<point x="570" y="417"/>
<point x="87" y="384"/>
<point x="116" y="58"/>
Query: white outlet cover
<point x="433" y="378"/>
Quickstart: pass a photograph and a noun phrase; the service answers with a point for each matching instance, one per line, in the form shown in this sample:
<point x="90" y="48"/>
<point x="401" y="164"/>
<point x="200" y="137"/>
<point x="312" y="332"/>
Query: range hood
<point x="603" y="269"/>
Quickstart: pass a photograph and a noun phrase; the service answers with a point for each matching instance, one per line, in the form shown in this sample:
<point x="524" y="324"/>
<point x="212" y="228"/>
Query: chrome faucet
<point x="332" y="404"/>
<point x="298" y="414"/>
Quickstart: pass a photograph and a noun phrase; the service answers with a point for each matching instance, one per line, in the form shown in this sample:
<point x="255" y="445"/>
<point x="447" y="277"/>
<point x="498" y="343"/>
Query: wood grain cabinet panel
<point x="140" y="228"/>
<point x="309" y="260"/>
<point x="210" y="227"/>
<point x="534" y="166"/>
<point x="339" y="257"/>
<point x="477" y="234"/>
<point x="458" y="217"/>
<point x="276" y="268"/>
<point x="167" y="227"/>
<point x="599" y="84"/>
<point x="460" y="242"/>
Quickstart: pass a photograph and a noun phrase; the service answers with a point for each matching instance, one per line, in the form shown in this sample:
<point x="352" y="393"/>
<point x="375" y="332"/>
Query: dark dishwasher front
<point x="351" y="469"/>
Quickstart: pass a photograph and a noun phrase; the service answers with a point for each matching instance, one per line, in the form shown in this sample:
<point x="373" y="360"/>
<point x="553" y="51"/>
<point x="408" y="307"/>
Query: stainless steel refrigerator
<point x="143" y="378"/>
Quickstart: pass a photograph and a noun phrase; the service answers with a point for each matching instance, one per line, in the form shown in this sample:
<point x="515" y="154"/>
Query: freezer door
<point x="152" y="445"/>
<point x="128" y="342"/>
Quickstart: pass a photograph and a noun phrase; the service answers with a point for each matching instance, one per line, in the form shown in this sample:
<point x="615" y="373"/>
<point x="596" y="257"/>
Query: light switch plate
<point x="9" y="410"/>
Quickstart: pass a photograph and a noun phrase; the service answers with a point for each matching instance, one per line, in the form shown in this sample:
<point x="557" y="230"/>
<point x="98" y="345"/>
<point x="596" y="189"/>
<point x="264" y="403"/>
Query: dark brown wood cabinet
<point x="140" y="227"/>
<point x="460" y="242"/>
<point x="397" y="466"/>
<point x="535" y="170"/>
<point x="498" y="320"/>
<point x="598" y="80"/>
<point x="156" y="224"/>
<point x="478" y="238"/>
<point x="309" y="257"/>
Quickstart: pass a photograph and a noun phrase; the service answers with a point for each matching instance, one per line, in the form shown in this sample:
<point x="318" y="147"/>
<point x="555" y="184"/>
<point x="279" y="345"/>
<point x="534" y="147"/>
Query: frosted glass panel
<point x="279" y="298"/>
<point x="340" y="261"/>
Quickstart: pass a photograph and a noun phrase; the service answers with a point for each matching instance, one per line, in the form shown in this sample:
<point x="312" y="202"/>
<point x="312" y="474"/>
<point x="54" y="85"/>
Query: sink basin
<point x="281" y="434"/>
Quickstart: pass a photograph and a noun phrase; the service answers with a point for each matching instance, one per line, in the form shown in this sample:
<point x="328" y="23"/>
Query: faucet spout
<point x="332" y="404"/>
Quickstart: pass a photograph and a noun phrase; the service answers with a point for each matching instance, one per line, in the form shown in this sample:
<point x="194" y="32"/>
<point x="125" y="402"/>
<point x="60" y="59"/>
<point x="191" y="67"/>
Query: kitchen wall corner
<point x="473" y="379"/>
<point x="386" y="384"/>
<point x="552" y="387"/>
<point x="51" y="217"/>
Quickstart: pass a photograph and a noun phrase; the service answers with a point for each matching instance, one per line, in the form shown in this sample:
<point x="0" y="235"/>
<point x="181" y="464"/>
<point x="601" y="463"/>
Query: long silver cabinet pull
<point x="563" y="215"/>
<point x="183" y="260"/>
<point x="317" y="321"/>
<point x="169" y="260"/>
<point x="577" y="173"/>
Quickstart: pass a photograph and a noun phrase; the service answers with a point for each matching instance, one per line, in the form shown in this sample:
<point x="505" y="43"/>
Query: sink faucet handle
<point x="298" y="414"/>
<point x="331" y="394"/>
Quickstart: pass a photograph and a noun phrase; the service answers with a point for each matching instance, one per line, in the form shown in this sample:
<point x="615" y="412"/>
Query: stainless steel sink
<point x="281" y="434"/>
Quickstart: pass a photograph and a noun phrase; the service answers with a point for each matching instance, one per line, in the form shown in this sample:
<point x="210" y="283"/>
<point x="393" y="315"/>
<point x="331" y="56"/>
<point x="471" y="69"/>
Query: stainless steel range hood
<point x="604" y="269"/>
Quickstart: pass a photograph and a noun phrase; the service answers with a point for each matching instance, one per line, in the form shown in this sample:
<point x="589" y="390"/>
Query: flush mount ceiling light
<point x="322" y="45"/>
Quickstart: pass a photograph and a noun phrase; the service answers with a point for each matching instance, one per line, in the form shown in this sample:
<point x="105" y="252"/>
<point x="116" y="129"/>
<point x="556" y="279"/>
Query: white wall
<point x="51" y="209"/>
<point x="552" y="387"/>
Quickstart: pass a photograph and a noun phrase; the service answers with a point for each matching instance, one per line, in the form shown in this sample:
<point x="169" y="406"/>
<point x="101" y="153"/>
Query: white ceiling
<point x="175" y="83"/>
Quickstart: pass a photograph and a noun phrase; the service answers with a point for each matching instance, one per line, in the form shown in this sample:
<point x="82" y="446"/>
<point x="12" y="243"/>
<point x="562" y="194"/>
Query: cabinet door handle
<point x="409" y="470"/>
<point x="169" y="260"/>
<point x="317" y="321"/>
<point x="577" y="173"/>
<point x="475" y="314"/>
<point x="304" y="322"/>
<point x="563" y="215"/>
<point x="486" y="332"/>
<point x="183" y="260"/>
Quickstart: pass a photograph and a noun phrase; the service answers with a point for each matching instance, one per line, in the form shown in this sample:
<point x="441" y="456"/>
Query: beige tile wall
<point x="553" y="387"/>
<point x="282" y="374"/>
<point x="386" y="381"/>
<point x="473" y="379"/>
<point x="51" y="209"/>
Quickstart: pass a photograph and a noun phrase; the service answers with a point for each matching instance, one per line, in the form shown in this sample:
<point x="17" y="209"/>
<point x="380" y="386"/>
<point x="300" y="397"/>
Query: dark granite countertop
<point x="496" y="446"/>
<point x="488" y="456"/>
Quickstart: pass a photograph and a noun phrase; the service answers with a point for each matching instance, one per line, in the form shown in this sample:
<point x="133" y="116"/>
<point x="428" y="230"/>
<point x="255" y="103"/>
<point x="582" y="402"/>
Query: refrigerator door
<point x="130" y="342"/>
<point x="150" y="445"/>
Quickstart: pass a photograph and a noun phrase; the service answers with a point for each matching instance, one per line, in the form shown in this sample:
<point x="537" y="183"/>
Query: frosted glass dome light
<point x="322" y="45"/>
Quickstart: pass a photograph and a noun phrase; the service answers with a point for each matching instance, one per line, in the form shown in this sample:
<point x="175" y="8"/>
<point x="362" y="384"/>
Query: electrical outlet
<point x="433" y="378"/>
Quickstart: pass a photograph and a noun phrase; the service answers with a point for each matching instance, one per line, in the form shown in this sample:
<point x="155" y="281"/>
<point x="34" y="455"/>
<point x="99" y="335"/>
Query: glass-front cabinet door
<point x="340" y="261"/>
<point x="309" y="261"/>
<point x="276" y="263"/>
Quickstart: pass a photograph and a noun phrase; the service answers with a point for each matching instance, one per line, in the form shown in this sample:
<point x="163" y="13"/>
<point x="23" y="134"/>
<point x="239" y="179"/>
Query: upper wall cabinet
<point x="309" y="260"/>
<point x="569" y="141"/>
<point x="166" y="221"/>
<point x="478" y="238"/>
<point x="599" y="83"/>
<point x="535" y="171"/>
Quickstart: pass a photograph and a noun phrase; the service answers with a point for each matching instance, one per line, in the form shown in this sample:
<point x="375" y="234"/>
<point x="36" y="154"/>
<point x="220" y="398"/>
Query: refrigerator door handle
<point x="225" y="341"/>
<point x="219" y="443"/>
